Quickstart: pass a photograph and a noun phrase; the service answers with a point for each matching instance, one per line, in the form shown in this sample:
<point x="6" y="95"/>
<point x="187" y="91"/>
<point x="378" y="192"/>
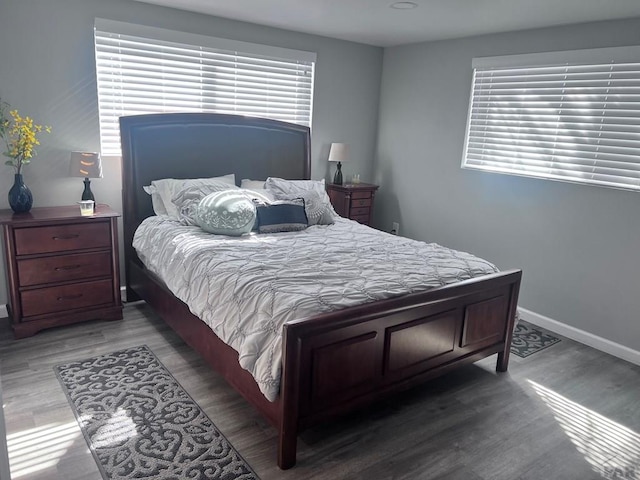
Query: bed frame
<point x="333" y="363"/>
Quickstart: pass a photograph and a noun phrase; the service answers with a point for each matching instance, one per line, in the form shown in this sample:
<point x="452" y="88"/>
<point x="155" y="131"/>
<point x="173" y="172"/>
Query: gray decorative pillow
<point x="228" y="212"/>
<point x="314" y="206"/>
<point x="187" y="198"/>
<point x="320" y="211"/>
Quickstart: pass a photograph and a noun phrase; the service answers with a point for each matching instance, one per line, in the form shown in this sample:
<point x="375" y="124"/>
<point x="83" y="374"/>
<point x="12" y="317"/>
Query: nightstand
<point x="62" y="268"/>
<point x="353" y="200"/>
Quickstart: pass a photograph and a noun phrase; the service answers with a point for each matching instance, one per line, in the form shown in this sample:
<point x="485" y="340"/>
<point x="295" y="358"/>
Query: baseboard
<point x="560" y="328"/>
<point x="568" y="331"/>
<point x="599" y="343"/>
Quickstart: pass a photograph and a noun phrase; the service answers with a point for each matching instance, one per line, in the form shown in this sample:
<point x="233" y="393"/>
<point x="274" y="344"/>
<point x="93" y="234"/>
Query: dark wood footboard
<point x="337" y="362"/>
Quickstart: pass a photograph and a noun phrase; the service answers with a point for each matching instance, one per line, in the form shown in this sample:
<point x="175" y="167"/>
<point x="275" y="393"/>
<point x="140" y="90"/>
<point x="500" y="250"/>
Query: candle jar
<point x="86" y="208"/>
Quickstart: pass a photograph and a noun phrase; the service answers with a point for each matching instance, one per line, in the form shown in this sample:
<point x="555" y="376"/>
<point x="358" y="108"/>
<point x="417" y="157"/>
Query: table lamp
<point x="87" y="165"/>
<point x="338" y="153"/>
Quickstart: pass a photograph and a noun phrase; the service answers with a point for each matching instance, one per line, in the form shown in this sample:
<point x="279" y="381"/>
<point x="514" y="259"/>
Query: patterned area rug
<point x="140" y="423"/>
<point x="528" y="339"/>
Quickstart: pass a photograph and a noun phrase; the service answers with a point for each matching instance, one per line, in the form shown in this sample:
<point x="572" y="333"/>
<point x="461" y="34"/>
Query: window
<point x="570" y="116"/>
<point x="150" y="70"/>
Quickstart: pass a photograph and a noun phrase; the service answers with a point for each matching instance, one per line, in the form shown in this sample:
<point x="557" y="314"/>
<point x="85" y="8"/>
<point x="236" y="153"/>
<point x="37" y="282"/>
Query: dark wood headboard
<point x="199" y="145"/>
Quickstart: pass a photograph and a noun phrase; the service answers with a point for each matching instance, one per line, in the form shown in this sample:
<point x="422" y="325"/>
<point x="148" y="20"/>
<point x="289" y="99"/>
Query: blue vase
<point x="20" y="198"/>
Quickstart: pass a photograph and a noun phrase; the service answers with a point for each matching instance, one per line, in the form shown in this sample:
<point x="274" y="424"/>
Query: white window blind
<point x="570" y="116"/>
<point x="150" y="70"/>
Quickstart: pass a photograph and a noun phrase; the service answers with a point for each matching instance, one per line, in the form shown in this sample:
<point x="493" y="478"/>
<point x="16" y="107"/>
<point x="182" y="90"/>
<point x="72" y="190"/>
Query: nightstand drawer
<point x="63" y="268"/>
<point x="66" y="297"/>
<point x="60" y="238"/>
<point x="359" y="211"/>
<point x="361" y="202"/>
<point x="364" y="194"/>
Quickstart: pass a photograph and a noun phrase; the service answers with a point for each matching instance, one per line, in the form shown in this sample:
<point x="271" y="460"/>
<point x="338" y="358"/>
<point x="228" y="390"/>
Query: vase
<point x="20" y="198"/>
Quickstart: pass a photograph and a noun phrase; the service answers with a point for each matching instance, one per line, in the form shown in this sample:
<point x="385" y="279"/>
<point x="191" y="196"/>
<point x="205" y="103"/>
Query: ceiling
<point x="373" y="22"/>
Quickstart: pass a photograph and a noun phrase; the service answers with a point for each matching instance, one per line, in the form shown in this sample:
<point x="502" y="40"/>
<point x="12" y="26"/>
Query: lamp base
<point x="337" y="178"/>
<point x="87" y="194"/>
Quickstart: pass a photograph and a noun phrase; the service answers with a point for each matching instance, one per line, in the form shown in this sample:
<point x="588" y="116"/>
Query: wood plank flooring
<point x="568" y="412"/>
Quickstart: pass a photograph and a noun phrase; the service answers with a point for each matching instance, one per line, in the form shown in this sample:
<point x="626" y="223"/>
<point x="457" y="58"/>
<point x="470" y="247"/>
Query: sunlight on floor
<point x="119" y="429"/>
<point x="611" y="449"/>
<point x="40" y="448"/>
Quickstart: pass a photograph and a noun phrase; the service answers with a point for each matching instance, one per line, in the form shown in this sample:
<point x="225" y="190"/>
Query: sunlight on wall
<point x="39" y="448"/>
<point x="611" y="449"/>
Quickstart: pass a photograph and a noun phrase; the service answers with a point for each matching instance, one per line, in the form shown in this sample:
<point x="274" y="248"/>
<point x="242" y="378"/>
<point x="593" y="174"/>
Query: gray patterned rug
<point x="140" y="423"/>
<point x="529" y="339"/>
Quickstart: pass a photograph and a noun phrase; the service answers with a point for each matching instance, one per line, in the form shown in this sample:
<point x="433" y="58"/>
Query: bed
<point x="332" y="363"/>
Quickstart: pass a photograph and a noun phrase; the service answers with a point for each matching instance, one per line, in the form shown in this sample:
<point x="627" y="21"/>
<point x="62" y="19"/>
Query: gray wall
<point x="577" y="245"/>
<point x="47" y="71"/>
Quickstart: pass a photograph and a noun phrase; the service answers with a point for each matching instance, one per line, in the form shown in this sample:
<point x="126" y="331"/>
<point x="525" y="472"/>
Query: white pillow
<point x="258" y="187"/>
<point x="156" y="200"/>
<point x="321" y="207"/>
<point x="280" y="185"/>
<point x="167" y="188"/>
<point x="258" y="196"/>
<point x="252" y="184"/>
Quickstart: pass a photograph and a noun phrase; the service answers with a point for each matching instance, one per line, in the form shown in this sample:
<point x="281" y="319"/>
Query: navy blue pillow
<point x="288" y="216"/>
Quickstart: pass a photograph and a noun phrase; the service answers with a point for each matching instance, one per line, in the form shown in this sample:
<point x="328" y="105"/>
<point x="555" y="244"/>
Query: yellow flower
<point x="20" y="135"/>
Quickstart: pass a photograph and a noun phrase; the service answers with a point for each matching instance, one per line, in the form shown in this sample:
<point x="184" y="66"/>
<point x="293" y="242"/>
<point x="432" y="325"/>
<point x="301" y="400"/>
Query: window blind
<point x="150" y="70"/>
<point x="570" y="116"/>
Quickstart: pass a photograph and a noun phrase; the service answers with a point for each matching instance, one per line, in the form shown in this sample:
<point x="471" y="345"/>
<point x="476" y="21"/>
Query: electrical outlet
<point x="395" y="228"/>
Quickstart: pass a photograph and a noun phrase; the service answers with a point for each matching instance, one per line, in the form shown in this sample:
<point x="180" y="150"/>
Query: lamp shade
<point x="338" y="152"/>
<point x="85" y="164"/>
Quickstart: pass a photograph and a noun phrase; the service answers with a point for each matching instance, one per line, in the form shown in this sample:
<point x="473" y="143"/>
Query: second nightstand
<point x="353" y="200"/>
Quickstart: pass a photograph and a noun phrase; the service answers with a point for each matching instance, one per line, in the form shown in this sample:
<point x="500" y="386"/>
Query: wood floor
<point x="568" y="412"/>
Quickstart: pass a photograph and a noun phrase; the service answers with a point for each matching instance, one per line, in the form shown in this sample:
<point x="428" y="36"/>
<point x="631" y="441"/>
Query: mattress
<point x="246" y="288"/>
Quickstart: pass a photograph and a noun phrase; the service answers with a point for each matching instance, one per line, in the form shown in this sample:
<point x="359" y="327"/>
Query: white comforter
<point x="246" y="288"/>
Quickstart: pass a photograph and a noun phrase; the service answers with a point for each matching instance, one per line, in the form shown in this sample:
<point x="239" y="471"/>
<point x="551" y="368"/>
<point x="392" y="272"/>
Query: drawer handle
<point x="68" y="267"/>
<point x="69" y="297"/>
<point x="66" y="237"/>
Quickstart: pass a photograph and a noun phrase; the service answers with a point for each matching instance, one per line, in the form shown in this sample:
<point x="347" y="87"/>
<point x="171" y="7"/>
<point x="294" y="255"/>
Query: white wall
<point x="47" y="71"/>
<point x="577" y="245"/>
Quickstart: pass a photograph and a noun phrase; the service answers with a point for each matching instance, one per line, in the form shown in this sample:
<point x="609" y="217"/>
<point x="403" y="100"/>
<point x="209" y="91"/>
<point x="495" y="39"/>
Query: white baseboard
<point x="563" y="329"/>
<point x="581" y="336"/>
